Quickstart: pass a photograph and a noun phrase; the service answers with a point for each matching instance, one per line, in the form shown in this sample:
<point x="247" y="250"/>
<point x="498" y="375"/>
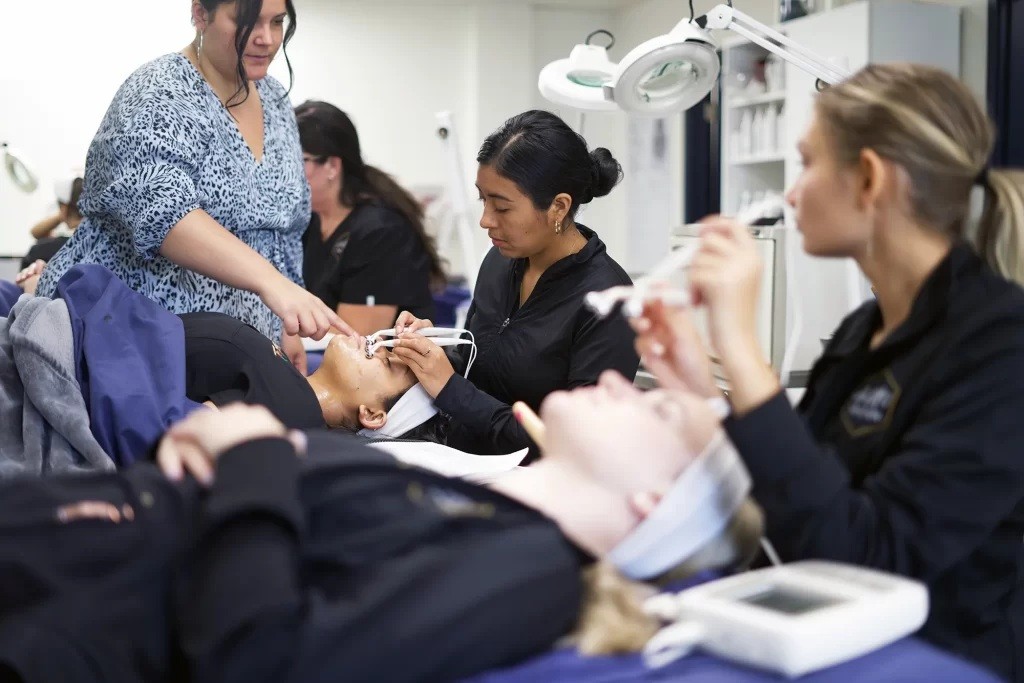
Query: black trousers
<point x="86" y="565"/>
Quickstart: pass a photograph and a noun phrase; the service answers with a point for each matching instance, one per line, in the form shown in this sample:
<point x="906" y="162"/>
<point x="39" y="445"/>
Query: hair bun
<point x="605" y="173"/>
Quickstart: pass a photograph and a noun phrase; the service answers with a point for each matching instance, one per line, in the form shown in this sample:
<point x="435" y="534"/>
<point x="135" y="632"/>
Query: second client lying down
<point x="227" y="361"/>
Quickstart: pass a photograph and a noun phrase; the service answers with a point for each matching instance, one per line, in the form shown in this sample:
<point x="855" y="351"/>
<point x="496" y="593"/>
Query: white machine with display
<point x="792" y="619"/>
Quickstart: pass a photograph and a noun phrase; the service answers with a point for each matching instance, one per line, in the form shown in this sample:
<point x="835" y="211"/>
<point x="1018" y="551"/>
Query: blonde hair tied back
<point x="612" y="619"/>
<point x="930" y="124"/>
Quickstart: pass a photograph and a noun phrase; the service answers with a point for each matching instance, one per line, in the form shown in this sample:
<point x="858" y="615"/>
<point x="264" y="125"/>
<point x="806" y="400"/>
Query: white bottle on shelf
<point x="744" y="201"/>
<point x="780" y="130"/>
<point x="757" y="133"/>
<point x="746" y="124"/>
<point x="771" y="130"/>
<point x="779" y="82"/>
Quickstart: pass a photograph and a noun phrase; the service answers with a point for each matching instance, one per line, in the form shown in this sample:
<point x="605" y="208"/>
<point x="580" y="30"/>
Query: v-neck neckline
<point x="205" y="84"/>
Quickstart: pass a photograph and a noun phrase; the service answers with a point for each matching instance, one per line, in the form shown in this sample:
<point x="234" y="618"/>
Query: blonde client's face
<point x="362" y="383"/>
<point x="634" y="441"/>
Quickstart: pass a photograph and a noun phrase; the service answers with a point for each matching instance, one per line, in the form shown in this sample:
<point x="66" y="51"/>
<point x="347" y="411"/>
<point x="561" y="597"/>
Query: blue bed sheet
<point x="905" y="661"/>
<point x="909" y="660"/>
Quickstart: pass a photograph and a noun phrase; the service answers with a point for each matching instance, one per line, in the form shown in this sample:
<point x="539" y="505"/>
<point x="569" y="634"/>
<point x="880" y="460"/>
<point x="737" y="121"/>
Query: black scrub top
<point x="385" y="572"/>
<point x="909" y="457"/>
<point x="43" y="250"/>
<point x="341" y="565"/>
<point x="374" y="255"/>
<point x="227" y="361"/>
<point x="526" y="352"/>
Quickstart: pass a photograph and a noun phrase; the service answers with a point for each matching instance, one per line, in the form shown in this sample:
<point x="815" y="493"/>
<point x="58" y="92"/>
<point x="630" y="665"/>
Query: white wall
<point x="390" y="64"/>
<point x="634" y="24"/>
<point x="62" y="62"/>
<point x="555" y="32"/>
<point x="973" y="43"/>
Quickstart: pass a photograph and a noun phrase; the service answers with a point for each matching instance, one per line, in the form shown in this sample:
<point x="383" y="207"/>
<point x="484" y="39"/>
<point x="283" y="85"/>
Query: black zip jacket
<point x="524" y="353"/>
<point x="344" y="566"/>
<point x="910" y="457"/>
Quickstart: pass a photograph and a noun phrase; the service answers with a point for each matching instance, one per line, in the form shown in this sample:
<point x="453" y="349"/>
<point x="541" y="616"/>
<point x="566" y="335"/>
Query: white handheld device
<point x="791" y="619"/>
<point x="646" y="288"/>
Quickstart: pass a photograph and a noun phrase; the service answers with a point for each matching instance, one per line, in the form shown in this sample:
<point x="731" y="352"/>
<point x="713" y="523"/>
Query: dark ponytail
<point x="326" y="131"/>
<point x="544" y="157"/>
<point x="605" y="173"/>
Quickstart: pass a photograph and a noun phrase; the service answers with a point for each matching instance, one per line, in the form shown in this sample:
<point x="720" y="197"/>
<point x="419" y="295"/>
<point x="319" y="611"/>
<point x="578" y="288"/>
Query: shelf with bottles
<point x="755" y="160"/>
<point x="758" y="135"/>
<point x="753" y="76"/>
<point x="749" y="197"/>
<point x="739" y="102"/>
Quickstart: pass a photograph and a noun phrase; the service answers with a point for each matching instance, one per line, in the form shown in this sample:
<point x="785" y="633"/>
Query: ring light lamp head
<point x="579" y="80"/>
<point x="24" y="179"/>
<point x="666" y="74"/>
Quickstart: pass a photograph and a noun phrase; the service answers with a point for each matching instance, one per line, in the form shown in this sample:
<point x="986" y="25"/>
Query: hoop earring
<point x="558" y="227"/>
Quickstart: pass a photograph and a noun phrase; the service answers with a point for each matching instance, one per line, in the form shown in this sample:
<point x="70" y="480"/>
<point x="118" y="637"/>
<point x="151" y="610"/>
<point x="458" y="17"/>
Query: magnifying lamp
<point x="677" y="70"/>
<point x="579" y="81"/>
<point x="19" y="173"/>
<point x="666" y="74"/>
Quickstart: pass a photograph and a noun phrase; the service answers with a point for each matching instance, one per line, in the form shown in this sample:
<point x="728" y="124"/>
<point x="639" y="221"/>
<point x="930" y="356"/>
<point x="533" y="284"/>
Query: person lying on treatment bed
<point x="310" y="557"/>
<point x="228" y="361"/>
<point x="124" y="366"/>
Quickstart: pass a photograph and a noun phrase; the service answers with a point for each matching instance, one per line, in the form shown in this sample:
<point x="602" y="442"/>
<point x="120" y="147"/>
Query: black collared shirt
<point x="526" y="352"/>
<point x="910" y="457"/>
<point x="374" y="257"/>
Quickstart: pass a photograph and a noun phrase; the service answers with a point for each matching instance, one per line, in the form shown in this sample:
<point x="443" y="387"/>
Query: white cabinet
<point x="771" y="246"/>
<point x="853" y="35"/>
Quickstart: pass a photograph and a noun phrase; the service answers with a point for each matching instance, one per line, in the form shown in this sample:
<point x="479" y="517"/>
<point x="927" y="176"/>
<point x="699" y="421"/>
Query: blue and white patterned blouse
<point x="168" y="146"/>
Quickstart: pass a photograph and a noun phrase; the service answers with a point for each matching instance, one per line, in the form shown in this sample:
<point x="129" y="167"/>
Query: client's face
<point x="633" y="440"/>
<point x="359" y="380"/>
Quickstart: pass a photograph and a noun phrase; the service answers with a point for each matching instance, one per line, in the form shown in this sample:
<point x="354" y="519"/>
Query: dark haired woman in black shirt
<point x="532" y="330"/>
<point x="367" y="253"/>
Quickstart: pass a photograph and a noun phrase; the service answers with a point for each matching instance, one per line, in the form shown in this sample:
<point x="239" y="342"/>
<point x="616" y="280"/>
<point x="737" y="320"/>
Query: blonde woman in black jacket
<point x="905" y="453"/>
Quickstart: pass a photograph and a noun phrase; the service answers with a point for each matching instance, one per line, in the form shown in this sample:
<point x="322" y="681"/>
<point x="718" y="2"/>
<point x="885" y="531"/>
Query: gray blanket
<point x="44" y="424"/>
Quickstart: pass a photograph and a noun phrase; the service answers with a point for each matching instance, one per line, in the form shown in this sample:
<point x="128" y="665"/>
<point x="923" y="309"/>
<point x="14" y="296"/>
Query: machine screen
<point x="788" y="601"/>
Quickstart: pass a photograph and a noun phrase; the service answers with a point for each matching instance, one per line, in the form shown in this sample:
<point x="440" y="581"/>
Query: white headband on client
<point x="697" y="509"/>
<point x="413" y="409"/>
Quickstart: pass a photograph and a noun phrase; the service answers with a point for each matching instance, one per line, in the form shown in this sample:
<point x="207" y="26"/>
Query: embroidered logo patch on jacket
<point x="870" y="408"/>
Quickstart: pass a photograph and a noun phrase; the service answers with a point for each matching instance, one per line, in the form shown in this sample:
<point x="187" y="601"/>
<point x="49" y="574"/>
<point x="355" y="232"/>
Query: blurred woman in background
<point x="367" y="254"/>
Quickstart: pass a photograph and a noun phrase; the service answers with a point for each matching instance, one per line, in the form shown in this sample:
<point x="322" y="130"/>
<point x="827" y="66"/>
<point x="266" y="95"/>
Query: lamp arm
<point x="726" y="17"/>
